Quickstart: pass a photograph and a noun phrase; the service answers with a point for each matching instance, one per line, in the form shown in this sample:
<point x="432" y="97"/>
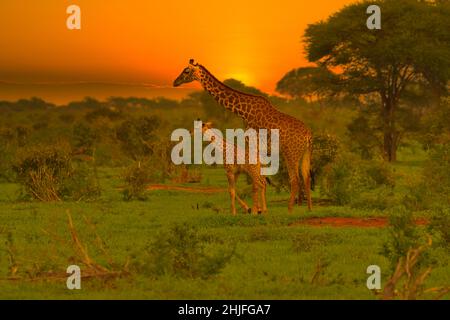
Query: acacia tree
<point x="307" y="83"/>
<point x="412" y="46"/>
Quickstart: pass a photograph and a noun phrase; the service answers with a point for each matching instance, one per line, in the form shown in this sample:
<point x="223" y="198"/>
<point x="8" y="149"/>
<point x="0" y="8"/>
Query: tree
<point x="307" y="83"/>
<point x="137" y="136"/>
<point x="412" y="46"/>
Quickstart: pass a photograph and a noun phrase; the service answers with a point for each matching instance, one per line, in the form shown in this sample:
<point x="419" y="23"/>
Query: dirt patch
<point x="378" y="222"/>
<point x="186" y="189"/>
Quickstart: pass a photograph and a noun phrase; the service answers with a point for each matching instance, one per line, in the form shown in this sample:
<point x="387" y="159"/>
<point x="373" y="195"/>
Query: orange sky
<point x="147" y="41"/>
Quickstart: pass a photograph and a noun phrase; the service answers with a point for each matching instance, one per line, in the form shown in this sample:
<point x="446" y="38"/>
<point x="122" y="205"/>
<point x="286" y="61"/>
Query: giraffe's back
<point x="295" y="137"/>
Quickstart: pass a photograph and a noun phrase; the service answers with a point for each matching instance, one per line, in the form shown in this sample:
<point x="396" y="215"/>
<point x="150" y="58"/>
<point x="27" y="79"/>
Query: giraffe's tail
<point x="312" y="172"/>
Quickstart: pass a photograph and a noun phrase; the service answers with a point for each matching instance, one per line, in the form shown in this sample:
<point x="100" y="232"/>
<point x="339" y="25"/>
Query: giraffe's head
<point x="208" y="131"/>
<point x="189" y="74"/>
<point x="205" y="127"/>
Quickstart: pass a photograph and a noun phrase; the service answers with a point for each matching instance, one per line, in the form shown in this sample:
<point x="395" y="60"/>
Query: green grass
<point x="267" y="265"/>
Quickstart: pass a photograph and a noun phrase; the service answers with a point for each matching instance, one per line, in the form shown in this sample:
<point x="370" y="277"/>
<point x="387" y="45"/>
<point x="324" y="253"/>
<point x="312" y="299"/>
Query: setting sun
<point x="150" y="42"/>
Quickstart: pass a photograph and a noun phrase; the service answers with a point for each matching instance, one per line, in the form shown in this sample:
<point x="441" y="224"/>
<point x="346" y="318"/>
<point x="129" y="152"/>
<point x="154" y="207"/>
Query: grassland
<point x="276" y="256"/>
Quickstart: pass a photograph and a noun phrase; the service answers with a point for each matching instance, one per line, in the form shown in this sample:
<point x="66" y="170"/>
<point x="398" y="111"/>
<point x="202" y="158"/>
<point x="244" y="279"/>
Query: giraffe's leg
<point x="300" y="193"/>
<point x="294" y="182"/>
<point x="255" y="196"/>
<point x="255" y="174"/>
<point x="306" y="173"/>
<point x="242" y="203"/>
<point x="232" y="191"/>
<point x="263" y="194"/>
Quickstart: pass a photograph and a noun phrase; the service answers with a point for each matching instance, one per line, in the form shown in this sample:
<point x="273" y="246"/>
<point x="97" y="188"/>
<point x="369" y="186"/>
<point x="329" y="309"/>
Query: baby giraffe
<point x="234" y="170"/>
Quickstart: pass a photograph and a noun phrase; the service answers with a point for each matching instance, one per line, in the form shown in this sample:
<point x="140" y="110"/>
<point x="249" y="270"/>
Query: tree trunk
<point x="391" y="135"/>
<point x="390" y="145"/>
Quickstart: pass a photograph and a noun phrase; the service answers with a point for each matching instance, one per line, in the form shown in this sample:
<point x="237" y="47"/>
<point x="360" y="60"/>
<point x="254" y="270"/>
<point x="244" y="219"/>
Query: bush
<point x="84" y="138"/>
<point x="7" y="151"/>
<point x="137" y="137"/>
<point x="363" y="133"/>
<point x="440" y="227"/>
<point x="47" y="173"/>
<point x="137" y="178"/>
<point x="182" y="252"/>
<point x="360" y="183"/>
<point x="436" y="173"/>
<point x="403" y="235"/>
<point x="83" y="183"/>
<point x="413" y="253"/>
<point x="325" y="150"/>
<point x="433" y="188"/>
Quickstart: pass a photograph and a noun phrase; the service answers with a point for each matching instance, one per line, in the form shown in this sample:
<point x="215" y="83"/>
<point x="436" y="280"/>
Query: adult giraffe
<point x="259" y="113"/>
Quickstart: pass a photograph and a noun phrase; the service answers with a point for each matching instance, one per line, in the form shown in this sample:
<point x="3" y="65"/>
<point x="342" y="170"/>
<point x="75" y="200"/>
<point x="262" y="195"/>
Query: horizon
<point x="140" y="48"/>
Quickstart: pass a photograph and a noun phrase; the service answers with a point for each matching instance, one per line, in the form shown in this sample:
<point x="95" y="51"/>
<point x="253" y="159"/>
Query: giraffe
<point x="234" y="170"/>
<point x="258" y="113"/>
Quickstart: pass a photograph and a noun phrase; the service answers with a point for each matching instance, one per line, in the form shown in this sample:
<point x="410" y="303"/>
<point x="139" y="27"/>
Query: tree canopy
<point x="412" y="46"/>
<point x="307" y="83"/>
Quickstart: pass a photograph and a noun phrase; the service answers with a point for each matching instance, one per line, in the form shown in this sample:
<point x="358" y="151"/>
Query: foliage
<point x="183" y="252"/>
<point x="403" y="235"/>
<point x="325" y="150"/>
<point x="351" y="180"/>
<point x="137" y="178"/>
<point x="137" y="136"/>
<point x="440" y="227"/>
<point x="47" y="173"/>
<point x="84" y="138"/>
<point x="433" y="188"/>
<point x="7" y="151"/>
<point x="83" y="183"/>
<point x="435" y="127"/>
<point x="364" y="135"/>
<point x="412" y="255"/>
<point x="407" y="282"/>
<point x="412" y="48"/>
<point x="307" y="83"/>
<point x="437" y="172"/>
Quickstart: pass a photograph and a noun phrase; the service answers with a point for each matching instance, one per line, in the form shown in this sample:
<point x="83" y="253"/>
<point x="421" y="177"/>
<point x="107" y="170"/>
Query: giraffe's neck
<point x="239" y="103"/>
<point x="228" y="148"/>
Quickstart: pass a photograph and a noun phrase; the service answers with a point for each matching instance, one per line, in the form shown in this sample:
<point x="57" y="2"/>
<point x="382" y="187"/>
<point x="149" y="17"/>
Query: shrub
<point x="47" y="173"/>
<point x="440" y="227"/>
<point x="351" y="180"/>
<point x="7" y="151"/>
<point x="363" y="133"/>
<point x="325" y="150"/>
<point x="403" y="235"/>
<point x="84" y="138"/>
<point x="137" y="177"/>
<point x="83" y="183"/>
<point x="183" y="252"/>
<point x="436" y="173"/>
<point x="137" y="137"/>
<point x="413" y="254"/>
<point x="433" y="188"/>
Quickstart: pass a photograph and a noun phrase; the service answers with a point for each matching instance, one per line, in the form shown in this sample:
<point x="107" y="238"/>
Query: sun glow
<point x="152" y="41"/>
<point x="246" y="78"/>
